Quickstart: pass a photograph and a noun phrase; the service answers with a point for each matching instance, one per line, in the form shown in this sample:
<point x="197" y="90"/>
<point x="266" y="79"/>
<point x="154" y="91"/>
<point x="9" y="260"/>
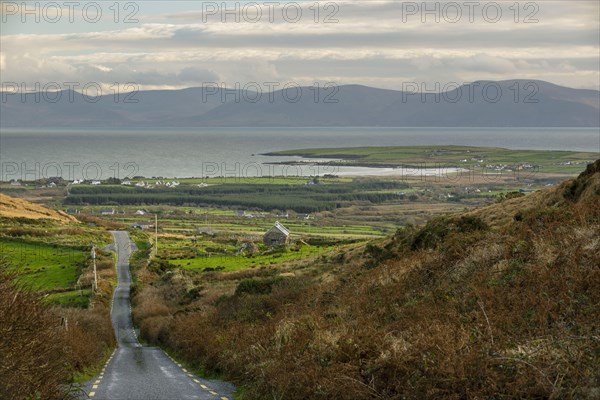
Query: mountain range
<point x="511" y="103"/>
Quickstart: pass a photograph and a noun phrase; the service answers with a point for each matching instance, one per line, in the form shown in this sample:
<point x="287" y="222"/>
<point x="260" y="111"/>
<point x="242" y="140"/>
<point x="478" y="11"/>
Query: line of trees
<point x="267" y="197"/>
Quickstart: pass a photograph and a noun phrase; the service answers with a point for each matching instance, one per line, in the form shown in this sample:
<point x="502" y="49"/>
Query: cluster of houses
<point x="241" y="213"/>
<point x="16" y="182"/>
<point x="246" y="214"/>
<point x="503" y="167"/>
<point x="105" y="211"/>
<point x="148" y="185"/>
<point x="128" y="183"/>
<point x="94" y="182"/>
<point x="82" y="181"/>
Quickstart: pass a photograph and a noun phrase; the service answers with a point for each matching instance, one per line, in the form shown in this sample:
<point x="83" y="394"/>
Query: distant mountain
<point x="520" y="103"/>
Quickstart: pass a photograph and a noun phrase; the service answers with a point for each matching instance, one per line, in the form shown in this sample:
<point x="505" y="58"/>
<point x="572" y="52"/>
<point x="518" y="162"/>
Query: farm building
<point x="278" y="235"/>
<point x="143" y="225"/>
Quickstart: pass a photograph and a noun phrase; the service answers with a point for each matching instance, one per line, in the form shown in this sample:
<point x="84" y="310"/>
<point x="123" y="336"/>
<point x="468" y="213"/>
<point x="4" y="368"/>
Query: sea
<point x="172" y="153"/>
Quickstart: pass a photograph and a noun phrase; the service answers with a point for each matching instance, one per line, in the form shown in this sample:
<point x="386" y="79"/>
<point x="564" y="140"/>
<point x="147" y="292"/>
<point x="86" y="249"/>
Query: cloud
<point x="373" y="43"/>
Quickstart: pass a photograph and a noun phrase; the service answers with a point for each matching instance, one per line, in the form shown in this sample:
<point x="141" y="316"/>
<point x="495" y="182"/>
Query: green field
<point x="43" y="266"/>
<point x="457" y="156"/>
<point x="49" y="257"/>
<point x="235" y="263"/>
<point x="73" y="298"/>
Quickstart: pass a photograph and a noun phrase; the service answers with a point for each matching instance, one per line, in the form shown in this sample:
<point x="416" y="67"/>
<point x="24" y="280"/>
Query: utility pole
<point x="155" y="235"/>
<point x="95" y="285"/>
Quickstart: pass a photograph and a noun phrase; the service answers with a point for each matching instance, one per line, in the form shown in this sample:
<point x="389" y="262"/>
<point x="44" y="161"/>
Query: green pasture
<point x="42" y="266"/>
<point x="238" y="262"/>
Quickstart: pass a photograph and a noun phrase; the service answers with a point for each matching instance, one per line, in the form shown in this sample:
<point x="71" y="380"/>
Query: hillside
<point x="11" y="207"/>
<point x="477" y="104"/>
<point x="581" y="193"/>
<point x="46" y="275"/>
<point x="501" y="302"/>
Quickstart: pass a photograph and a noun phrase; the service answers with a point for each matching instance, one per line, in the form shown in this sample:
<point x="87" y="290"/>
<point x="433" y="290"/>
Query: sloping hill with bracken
<point x="11" y="207"/>
<point x="502" y="302"/>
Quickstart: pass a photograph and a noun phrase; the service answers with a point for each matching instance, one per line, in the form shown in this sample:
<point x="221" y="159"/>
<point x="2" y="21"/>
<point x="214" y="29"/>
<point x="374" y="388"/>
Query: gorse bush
<point x="436" y="232"/>
<point x="256" y="286"/>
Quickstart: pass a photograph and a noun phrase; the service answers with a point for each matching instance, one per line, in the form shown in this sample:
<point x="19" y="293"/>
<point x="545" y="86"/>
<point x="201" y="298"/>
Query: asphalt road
<point x="137" y="372"/>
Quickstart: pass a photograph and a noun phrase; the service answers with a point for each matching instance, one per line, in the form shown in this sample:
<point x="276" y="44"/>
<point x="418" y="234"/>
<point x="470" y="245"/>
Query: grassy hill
<point x="11" y="207"/>
<point x="49" y="251"/>
<point x="500" y="302"/>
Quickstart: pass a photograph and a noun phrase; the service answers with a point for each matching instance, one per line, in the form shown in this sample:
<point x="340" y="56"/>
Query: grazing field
<point x="73" y="299"/>
<point x="224" y="262"/>
<point x="43" y="266"/>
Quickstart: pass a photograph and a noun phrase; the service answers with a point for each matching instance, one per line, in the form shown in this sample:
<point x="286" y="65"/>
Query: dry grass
<point x="31" y="348"/>
<point x="12" y="207"/>
<point x="503" y="302"/>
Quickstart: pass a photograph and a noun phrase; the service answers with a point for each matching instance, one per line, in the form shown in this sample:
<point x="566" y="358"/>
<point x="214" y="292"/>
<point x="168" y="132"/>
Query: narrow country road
<point x="137" y="372"/>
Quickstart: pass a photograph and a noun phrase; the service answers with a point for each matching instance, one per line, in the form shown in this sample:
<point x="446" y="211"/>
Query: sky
<point x="385" y="44"/>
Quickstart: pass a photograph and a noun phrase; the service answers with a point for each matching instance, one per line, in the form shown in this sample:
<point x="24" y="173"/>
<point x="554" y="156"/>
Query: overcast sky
<point x="176" y="44"/>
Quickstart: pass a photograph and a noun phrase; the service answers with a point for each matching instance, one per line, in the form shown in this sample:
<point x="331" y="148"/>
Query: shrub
<point x="32" y="346"/>
<point x="469" y="223"/>
<point x="160" y="266"/>
<point x="507" y="196"/>
<point x="256" y="286"/>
